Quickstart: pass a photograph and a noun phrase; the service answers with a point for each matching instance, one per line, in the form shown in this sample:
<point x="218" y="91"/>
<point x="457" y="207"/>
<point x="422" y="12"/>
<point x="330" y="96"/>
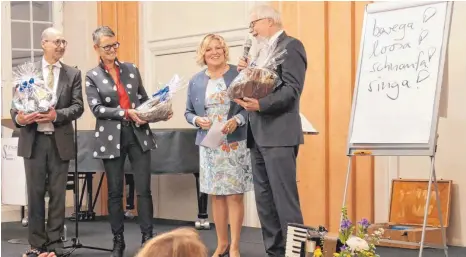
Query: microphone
<point x="247" y="47"/>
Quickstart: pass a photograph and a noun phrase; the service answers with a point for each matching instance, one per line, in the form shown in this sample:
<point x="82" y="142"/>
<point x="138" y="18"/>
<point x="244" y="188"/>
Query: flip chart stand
<point x="432" y="180"/>
<point x="381" y="127"/>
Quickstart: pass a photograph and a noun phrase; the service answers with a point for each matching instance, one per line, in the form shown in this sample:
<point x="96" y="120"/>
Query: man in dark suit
<point x="45" y="143"/>
<point x="275" y="133"/>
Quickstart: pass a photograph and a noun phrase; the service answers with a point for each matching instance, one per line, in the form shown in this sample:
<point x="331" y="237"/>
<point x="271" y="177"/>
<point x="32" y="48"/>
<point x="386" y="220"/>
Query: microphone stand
<point x="76" y="244"/>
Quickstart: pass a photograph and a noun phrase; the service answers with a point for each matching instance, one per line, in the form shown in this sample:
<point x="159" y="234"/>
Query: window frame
<point x="6" y="48"/>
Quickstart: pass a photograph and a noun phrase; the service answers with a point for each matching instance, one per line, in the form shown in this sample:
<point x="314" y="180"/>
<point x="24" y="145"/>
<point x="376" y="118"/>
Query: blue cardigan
<point x="195" y="105"/>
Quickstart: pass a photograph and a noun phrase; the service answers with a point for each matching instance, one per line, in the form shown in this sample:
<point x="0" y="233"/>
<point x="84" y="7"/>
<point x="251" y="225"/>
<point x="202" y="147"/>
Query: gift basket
<point x="31" y="94"/>
<point x="258" y="79"/>
<point x="159" y="106"/>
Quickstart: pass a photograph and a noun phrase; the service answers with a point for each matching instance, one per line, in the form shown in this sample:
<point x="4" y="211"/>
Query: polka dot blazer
<point x="103" y="100"/>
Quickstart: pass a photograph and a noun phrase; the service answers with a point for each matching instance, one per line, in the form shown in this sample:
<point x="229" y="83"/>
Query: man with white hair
<point x="275" y="133"/>
<point x="45" y="143"/>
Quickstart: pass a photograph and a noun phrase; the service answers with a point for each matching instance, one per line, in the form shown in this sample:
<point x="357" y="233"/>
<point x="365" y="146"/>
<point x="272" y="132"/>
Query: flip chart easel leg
<point x="437" y="197"/>
<point x="346" y="186"/>
<point x="426" y="207"/>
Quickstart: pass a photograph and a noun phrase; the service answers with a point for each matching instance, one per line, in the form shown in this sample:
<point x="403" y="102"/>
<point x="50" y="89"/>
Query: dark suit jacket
<point x="104" y="102"/>
<point x="278" y="122"/>
<point x="69" y="107"/>
<point x="195" y="104"/>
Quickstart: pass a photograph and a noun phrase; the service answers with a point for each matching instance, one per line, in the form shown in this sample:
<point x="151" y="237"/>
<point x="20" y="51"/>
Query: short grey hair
<point x="267" y="12"/>
<point x="103" y="31"/>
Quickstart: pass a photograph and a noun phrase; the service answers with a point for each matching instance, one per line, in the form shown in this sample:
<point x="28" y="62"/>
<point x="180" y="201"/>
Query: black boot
<point x="146" y="237"/>
<point x="118" y="245"/>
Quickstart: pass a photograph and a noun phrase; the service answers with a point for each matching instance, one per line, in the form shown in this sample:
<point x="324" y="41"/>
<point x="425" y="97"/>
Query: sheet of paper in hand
<point x="214" y="137"/>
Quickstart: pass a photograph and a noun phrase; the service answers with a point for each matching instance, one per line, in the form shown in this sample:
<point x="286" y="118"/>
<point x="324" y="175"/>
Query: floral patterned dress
<point x="225" y="170"/>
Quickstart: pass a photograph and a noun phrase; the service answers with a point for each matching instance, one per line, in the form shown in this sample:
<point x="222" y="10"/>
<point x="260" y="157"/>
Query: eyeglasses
<point x="253" y="23"/>
<point x="108" y="47"/>
<point x="58" y="42"/>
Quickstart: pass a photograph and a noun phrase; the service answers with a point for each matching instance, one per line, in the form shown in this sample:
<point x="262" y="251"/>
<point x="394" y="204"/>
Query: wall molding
<point x="154" y="49"/>
<point x="189" y="43"/>
<point x="197" y="34"/>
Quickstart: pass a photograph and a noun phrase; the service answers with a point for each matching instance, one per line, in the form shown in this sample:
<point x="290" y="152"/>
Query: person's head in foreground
<point x="181" y="242"/>
<point x="264" y="22"/>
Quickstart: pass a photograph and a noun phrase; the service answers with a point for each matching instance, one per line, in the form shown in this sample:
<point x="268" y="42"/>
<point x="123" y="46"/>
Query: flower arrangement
<point x="318" y="252"/>
<point x="319" y="237"/>
<point x="359" y="245"/>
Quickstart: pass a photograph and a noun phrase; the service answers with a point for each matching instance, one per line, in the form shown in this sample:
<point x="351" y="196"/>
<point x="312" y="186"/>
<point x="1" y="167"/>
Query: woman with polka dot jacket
<point x="113" y="90"/>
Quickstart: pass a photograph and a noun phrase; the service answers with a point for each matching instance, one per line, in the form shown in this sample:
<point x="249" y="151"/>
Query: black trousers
<point x="45" y="170"/>
<point x="276" y="192"/>
<point x="114" y="168"/>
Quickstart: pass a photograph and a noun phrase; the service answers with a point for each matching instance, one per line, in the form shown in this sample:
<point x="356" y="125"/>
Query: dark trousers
<point x="129" y="179"/>
<point x="114" y="168"/>
<point x="277" y="200"/>
<point x="46" y="171"/>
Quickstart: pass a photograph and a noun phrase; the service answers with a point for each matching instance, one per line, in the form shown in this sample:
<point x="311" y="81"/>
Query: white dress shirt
<point x="48" y="127"/>
<point x="274" y="38"/>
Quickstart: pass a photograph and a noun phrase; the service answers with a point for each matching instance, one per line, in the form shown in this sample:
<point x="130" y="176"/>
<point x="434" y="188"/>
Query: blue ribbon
<point x="26" y="85"/>
<point x="163" y="93"/>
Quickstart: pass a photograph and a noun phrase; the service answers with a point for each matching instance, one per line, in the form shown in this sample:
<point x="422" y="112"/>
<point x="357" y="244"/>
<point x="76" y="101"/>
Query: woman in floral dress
<point x="225" y="171"/>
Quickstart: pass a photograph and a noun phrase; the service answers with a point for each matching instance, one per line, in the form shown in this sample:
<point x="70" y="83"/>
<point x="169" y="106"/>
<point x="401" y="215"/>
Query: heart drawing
<point x="429" y="13"/>
<point x="431" y="52"/>
<point x="422" y="75"/>
<point x="423" y="35"/>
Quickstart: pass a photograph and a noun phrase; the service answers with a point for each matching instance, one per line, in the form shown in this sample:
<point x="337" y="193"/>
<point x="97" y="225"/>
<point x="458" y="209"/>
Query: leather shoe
<point x="33" y="252"/>
<point x="146" y="237"/>
<point x="118" y="246"/>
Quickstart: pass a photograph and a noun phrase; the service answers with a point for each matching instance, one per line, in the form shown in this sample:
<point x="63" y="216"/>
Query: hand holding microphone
<point x="244" y="61"/>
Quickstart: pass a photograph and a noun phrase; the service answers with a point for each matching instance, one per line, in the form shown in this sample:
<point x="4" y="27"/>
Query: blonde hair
<point x="181" y="242"/>
<point x="200" y="60"/>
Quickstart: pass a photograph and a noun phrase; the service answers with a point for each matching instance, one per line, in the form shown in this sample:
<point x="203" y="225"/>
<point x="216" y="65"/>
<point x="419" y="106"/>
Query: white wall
<point x="451" y="154"/>
<point x="171" y="32"/>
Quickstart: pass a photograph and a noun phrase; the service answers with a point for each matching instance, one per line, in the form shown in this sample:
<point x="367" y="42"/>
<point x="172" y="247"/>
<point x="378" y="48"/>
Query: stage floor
<point x="97" y="233"/>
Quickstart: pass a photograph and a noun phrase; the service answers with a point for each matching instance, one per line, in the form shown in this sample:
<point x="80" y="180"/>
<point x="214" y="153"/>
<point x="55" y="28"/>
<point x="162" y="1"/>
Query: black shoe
<point x="146" y="237"/>
<point x="118" y="246"/>
<point x="59" y="252"/>
<point x="33" y="252"/>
